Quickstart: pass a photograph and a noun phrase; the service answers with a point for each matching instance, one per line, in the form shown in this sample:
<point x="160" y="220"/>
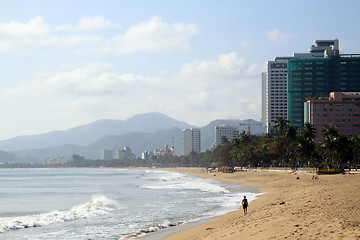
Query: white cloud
<point x="276" y="37"/>
<point x="16" y="36"/>
<point x="153" y="35"/>
<point x="87" y="23"/>
<point x="227" y="65"/>
<point x="34" y="27"/>
<point x="227" y="87"/>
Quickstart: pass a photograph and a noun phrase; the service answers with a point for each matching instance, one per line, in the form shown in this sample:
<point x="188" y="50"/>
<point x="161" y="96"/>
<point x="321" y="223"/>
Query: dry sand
<point x="295" y="206"/>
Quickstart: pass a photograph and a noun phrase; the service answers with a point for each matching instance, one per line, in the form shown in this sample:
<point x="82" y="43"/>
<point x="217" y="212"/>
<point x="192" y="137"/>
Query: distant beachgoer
<point x="245" y="204"/>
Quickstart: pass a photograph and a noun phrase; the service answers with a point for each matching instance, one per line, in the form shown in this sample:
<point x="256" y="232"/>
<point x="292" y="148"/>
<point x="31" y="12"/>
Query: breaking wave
<point x="179" y="181"/>
<point x="99" y="205"/>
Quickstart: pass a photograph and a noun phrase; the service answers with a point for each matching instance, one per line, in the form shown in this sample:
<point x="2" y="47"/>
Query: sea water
<point x="107" y="203"/>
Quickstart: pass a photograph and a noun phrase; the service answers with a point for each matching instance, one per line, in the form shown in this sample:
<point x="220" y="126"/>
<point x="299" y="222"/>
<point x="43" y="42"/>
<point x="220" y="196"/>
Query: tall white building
<point x="274" y="92"/>
<point x="274" y="81"/>
<point x="191" y="141"/>
<point x="229" y="132"/>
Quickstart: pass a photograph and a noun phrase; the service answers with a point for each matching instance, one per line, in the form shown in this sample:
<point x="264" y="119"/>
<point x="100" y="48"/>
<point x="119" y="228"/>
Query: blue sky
<point x="68" y="63"/>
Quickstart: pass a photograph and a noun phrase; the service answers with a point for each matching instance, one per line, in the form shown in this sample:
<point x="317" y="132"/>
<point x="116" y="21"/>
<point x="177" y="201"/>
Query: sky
<point x="68" y="63"/>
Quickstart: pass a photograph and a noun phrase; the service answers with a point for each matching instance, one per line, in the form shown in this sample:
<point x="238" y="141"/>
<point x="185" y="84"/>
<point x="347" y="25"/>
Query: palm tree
<point x="343" y="150"/>
<point x="330" y="136"/>
<point x="305" y="143"/>
<point x="309" y="132"/>
<point x="242" y="149"/>
<point x="355" y="144"/>
<point x="280" y="125"/>
<point x="285" y="142"/>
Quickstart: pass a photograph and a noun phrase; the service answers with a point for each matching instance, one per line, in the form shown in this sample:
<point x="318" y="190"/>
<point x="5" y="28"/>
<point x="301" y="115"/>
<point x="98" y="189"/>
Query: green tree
<point x="222" y="154"/>
<point x="355" y="145"/>
<point x="284" y="144"/>
<point x="241" y="153"/>
<point x="344" y="150"/>
<point x="224" y="140"/>
<point x="330" y="136"/>
<point x="306" y="149"/>
<point x="280" y="125"/>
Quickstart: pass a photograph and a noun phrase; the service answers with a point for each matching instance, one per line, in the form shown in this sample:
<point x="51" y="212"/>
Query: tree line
<point x="291" y="147"/>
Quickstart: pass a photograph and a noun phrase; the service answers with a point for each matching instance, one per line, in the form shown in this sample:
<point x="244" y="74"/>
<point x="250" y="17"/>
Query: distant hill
<point x="6" y="157"/>
<point x="138" y="141"/>
<point x="87" y="134"/>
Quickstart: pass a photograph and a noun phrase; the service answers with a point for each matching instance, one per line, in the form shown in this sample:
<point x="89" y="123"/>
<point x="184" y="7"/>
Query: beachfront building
<point x="166" y="151"/>
<point x="125" y="153"/>
<point x="274" y="92"/>
<point x="158" y="152"/>
<point x="230" y="132"/>
<point x="146" y="155"/>
<point x="274" y="82"/>
<point x="191" y="141"/>
<point x="341" y="109"/>
<point x="107" y="154"/>
<point x="311" y="77"/>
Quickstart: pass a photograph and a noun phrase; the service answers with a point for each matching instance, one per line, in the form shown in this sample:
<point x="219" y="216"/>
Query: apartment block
<point x="317" y="77"/>
<point x="277" y="79"/>
<point x="341" y="109"/>
<point x="191" y="141"/>
<point x="227" y="131"/>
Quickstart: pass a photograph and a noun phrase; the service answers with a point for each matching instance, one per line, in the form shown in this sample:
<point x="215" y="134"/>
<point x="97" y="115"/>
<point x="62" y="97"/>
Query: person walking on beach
<point x="245" y="204"/>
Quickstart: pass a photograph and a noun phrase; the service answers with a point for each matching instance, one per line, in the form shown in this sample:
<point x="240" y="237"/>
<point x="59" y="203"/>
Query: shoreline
<point x="297" y="205"/>
<point x="196" y="172"/>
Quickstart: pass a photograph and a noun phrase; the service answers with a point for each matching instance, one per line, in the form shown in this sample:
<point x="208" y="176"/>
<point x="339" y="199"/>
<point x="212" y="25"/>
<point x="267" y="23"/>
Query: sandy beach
<point x="293" y="206"/>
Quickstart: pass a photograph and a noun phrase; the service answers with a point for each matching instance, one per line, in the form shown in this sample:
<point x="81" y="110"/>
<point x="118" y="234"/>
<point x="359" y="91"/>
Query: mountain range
<point x="141" y="132"/>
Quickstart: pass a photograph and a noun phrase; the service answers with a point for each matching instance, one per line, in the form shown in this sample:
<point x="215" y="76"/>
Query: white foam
<point x="153" y="228"/>
<point x="100" y="205"/>
<point x="205" y="187"/>
<point x="169" y="180"/>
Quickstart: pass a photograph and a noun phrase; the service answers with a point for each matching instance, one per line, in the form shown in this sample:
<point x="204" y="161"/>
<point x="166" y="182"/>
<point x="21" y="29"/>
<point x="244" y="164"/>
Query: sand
<point x="294" y="206"/>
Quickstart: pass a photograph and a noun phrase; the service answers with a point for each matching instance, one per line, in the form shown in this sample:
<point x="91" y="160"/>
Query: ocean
<point x="107" y="203"/>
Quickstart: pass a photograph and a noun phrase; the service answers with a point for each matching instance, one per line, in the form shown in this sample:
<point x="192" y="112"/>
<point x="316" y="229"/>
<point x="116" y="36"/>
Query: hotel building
<point x="191" y="141"/>
<point x="317" y="77"/>
<point x="341" y="109"/>
<point x="274" y="92"/>
<point x="275" y="80"/>
<point x="227" y="131"/>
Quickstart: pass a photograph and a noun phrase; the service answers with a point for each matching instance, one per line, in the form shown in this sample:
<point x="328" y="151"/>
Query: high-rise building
<point x="191" y="141"/>
<point x="289" y="80"/>
<point x="274" y="92"/>
<point x="227" y="131"/>
<point x="107" y="154"/>
<point x="317" y="77"/>
<point x="125" y="153"/>
<point x="341" y="109"/>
